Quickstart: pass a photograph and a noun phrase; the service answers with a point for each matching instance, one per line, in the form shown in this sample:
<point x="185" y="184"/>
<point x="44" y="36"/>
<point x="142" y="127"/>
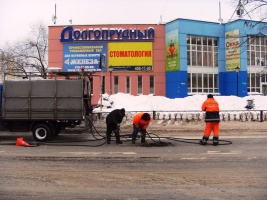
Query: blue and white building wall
<point x="203" y="57"/>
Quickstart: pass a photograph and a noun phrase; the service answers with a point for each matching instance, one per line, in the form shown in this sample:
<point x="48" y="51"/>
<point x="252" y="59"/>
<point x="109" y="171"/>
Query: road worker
<point x="212" y="119"/>
<point x="140" y="124"/>
<point x="113" y="121"/>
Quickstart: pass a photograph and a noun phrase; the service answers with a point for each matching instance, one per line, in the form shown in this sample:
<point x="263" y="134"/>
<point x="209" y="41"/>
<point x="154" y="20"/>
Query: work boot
<point x="143" y="141"/>
<point x="108" y="140"/>
<point x="143" y="137"/>
<point x="215" y="141"/>
<point x="203" y="141"/>
<point x="118" y="140"/>
<point x="134" y="135"/>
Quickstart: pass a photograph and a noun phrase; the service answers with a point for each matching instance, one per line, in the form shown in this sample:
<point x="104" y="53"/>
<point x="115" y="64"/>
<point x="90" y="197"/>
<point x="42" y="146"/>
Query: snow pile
<point x="190" y="103"/>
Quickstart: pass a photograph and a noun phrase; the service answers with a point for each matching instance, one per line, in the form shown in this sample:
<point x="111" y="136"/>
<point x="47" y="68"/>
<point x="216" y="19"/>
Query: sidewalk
<point x="184" y="128"/>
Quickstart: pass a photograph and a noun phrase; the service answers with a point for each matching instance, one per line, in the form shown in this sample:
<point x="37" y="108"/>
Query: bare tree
<point x="252" y="9"/>
<point x="29" y="55"/>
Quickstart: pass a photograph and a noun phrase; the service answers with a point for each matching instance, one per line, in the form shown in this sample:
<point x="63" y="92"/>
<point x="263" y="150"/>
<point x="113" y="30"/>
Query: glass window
<point x="202" y="52"/>
<point x="103" y="85"/>
<point x="215" y="42"/>
<point x="188" y="58"/>
<point x="151" y="85"/>
<point x="116" y="84"/>
<point x="199" y="58"/>
<point x="194" y="80"/>
<point x="206" y="81"/>
<point x="128" y="84"/>
<point x="215" y="81"/>
<point x="92" y="84"/>
<point x="193" y="40"/>
<point x="196" y="51"/>
<point x="199" y="41"/>
<point x="188" y="80"/>
<point x="205" y="58"/>
<point x="256" y="58"/>
<point x="140" y="84"/>
<point x="199" y="80"/>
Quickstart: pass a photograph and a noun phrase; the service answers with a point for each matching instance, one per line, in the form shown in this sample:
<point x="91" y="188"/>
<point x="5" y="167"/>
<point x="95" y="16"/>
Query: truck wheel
<point x="41" y="132"/>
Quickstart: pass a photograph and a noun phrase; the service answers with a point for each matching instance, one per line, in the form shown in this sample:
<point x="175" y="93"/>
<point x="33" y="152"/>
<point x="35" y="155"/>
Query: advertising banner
<point x="76" y="56"/>
<point x="172" y="51"/>
<point x="232" y="48"/>
<point x="130" y="56"/>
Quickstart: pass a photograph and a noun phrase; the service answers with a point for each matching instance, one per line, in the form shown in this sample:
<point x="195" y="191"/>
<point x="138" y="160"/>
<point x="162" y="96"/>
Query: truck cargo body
<point x="44" y="107"/>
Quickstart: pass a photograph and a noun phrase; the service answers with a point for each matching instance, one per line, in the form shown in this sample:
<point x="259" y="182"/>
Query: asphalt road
<point x="175" y="169"/>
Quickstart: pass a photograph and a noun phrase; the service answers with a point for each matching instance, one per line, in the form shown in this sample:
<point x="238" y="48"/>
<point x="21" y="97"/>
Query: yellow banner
<point x="130" y="54"/>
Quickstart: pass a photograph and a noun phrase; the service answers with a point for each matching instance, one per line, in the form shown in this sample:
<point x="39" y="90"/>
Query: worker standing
<point x="113" y="121"/>
<point x="212" y="119"/>
<point x="140" y="124"/>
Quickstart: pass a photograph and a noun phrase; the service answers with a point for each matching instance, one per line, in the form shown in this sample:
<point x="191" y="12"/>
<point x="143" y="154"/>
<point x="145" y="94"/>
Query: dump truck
<point x="44" y="107"/>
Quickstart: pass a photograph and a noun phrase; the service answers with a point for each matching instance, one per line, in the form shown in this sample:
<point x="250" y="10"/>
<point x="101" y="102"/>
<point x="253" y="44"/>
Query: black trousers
<point x="135" y="132"/>
<point x="110" y="128"/>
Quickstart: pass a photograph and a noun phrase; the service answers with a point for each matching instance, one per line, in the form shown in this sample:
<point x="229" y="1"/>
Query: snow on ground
<point x="190" y="103"/>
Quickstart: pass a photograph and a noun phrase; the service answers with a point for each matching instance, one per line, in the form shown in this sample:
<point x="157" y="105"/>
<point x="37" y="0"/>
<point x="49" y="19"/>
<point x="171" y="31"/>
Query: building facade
<point x="222" y="59"/>
<point x="134" y="56"/>
<point x="177" y="59"/>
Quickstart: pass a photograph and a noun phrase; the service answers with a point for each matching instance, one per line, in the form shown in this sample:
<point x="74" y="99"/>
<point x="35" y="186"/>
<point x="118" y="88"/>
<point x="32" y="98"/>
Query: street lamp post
<point x="237" y="69"/>
<point x="110" y="77"/>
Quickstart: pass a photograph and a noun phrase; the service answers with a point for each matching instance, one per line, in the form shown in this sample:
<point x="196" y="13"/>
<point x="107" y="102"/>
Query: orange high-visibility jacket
<point x="210" y="105"/>
<point x="139" y="123"/>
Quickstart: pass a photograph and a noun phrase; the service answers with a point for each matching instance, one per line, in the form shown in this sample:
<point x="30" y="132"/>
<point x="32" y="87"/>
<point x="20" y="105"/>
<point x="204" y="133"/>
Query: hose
<point x="155" y="139"/>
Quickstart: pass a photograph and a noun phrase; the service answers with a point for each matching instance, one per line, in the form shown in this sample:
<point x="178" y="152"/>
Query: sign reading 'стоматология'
<point x="69" y="34"/>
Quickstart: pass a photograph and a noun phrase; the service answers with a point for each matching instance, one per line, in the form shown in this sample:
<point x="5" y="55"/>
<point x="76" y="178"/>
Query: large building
<point x="223" y="59"/>
<point x="180" y="58"/>
<point x="134" y="56"/>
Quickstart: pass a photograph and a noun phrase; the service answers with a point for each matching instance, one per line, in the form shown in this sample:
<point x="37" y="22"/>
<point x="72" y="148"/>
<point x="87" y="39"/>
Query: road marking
<point x="98" y="153"/>
<point x="244" y="137"/>
<point x="129" y="153"/>
<point x="83" y="153"/>
<point x="202" y="158"/>
<point x="231" y="152"/>
<point x="122" y="153"/>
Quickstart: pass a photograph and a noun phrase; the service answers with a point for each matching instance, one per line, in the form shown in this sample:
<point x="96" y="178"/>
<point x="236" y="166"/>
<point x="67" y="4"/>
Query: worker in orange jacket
<point x="140" y="124"/>
<point x="212" y="119"/>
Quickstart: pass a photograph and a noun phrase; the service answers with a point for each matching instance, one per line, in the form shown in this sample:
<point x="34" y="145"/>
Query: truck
<point x="44" y="107"/>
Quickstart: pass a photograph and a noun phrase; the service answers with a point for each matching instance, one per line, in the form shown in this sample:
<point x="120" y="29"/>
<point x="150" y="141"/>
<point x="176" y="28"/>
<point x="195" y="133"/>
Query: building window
<point x="202" y="51"/>
<point x="116" y="84"/>
<point x="257" y="50"/>
<point x="256" y="61"/>
<point x="202" y="56"/>
<point x="91" y="84"/>
<point x="103" y="85"/>
<point x="140" y="84"/>
<point x="128" y="84"/>
<point x="254" y="82"/>
<point x="151" y="85"/>
<point x="202" y="83"/>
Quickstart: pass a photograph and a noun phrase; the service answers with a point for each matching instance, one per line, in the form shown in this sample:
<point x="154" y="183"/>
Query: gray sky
<point x="17" y="16"/>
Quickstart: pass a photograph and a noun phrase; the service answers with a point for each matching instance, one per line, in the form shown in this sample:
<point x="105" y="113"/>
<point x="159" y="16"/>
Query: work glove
<point x="117" y="130"/>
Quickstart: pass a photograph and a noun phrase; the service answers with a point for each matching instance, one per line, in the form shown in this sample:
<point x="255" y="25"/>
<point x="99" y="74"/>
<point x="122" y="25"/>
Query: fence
<point x="193" y="116"/>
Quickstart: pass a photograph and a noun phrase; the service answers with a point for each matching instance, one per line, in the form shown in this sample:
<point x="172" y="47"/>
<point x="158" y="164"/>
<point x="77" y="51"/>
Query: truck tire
<point x="41" y="132"/>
